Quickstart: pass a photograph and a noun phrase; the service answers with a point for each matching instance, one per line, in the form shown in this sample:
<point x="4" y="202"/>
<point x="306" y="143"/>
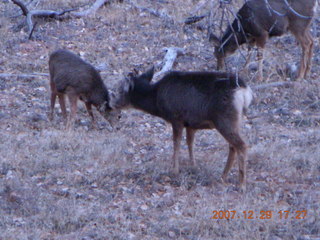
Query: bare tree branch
<point x="22" y="6"/>
<point x="194" y="19"/>
<point x="168" y="61"/>
<point x="273" y="84"/>
<point x="27" y="75"/>
<point x="151" y="11"/>
<point x="97" y="4"/>
<point x="38" y="13"/>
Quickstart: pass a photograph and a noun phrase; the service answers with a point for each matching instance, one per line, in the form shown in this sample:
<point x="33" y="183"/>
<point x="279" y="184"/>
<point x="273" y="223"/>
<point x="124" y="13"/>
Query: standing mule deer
<point x="193" y="100"/>
<point x="257" y="20"/>
<point x="71" y="76"/>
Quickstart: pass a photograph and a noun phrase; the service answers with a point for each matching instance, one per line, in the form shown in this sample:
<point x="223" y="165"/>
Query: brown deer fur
<point x="71" y="76"/>
<point x="258" y="20"/>
<point x="193" y="100"/>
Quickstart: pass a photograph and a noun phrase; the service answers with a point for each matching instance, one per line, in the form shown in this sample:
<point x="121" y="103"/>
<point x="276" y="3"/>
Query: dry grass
<point x="96" y="184"/>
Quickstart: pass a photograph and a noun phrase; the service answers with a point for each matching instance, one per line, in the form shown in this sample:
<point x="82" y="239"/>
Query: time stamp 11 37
<point x="282" y="215"/>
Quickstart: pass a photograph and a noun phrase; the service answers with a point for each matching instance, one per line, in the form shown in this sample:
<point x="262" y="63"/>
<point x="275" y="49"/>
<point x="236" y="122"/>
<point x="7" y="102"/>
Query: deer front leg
<point x="52" y="103"/>
<point x="89" y="110"/>
<point x="310" y="53"/>
<point x="260" y="63"/>
<point x="190" y="139"/>
<point x="63" y="106"/>
<point x="177" y="135"/>
<point x="306" y="42"/>
<point x="73" y="110"/>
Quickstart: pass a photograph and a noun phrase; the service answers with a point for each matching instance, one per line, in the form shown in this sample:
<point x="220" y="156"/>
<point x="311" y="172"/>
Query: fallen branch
<point x="274" y="84"/>
<point x="38" y="13"/>
<point x="194" y="19"/>
<point x="160" y="14"/>
<point x="33" y="75"/>
<point x="97" y="4"/>
<point x="169" y="58"/>
<point x="28" y="75"/>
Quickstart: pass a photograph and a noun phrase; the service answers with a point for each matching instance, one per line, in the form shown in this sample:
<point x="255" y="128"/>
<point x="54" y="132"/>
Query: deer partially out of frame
<point x="193" y="100"/>
<point x="258" y="20"/>
<point x="71" y="76"/>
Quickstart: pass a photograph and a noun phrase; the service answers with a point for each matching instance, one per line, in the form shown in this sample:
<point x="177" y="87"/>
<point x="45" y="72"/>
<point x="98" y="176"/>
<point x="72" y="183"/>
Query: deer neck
<point x="145" y="99"/>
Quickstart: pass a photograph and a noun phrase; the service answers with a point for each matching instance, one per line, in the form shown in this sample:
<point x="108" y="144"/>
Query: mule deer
<point x="71" y="76"/>
<point x="193" y="100"/>
<point x="258" y="20"/>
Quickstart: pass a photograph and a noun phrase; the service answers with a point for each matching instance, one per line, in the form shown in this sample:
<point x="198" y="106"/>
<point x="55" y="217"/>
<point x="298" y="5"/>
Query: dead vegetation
<point x="96" y="184"/>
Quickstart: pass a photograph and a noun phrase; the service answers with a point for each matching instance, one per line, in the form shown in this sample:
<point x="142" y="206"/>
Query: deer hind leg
<point x="245" y="66"/>
<point x="177" y="135"/>
<point x="190" y="139"/>
<point x="261" y="42"/>
<point x="241" y="151"/>
<point x="260" y="63"/>
<point x="310" y="53"/>
<point x="230" y="131"/>
<point x="231" y="157"/>
<point x="73" y="110"/>
<point x="306" y="42"/>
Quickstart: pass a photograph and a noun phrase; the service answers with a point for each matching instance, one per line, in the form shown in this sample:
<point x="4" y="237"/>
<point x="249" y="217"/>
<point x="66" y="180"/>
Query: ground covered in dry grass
<point x="102" y="184"/>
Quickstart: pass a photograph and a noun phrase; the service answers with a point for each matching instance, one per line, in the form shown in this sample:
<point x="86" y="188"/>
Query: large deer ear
<point x="128" y="83"/>
<point x="216" y="41"/>
<point x="148" y="75"/>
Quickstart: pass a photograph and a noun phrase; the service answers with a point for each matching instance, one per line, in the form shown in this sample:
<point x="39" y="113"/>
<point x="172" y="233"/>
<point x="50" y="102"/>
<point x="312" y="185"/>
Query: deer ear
<point x="135" y="71"/>
<point x="216" y="41"/>
<point x="128" y="83"/>
<point x="112" y="100"/>
<point x="148" y="75"/>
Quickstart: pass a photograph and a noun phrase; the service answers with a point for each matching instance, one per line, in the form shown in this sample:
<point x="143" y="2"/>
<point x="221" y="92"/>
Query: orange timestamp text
<point x="233" y="214"/>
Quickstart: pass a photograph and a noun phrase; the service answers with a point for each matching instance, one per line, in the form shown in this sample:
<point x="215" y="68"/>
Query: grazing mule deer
<point x="193" y="100"/>
<point x="257" y="20"/>
<point x="71" y="76"/>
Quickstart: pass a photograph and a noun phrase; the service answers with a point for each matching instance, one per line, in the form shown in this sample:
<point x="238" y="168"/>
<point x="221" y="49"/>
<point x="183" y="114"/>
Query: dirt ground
<point x="103" y="184"/>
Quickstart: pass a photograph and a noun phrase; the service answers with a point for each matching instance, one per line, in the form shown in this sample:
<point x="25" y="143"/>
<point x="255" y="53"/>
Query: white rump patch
<point x="242" y="99"/>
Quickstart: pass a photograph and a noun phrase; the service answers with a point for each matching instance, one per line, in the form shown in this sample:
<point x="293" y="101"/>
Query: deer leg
<point x="242" y="158"/>
<point x="241" y="149"/>
<point x="260" y="63"/>
<point x="245" y="67"/>
<point x="177" y="135"/>
<point x="52" y="99"/>
<point x="73" y="110"/>
<point x="310" y="51"/>
<point x="230" y="161"/>
<point x="260" y="43"/>
<point x="306" y="43"/>
<point x="63" y="106"/>
<point x="237" y="147"/>
<point x="89" y="109"/>
<point x="52" y="103"/>
<point x="190" y="139"/>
